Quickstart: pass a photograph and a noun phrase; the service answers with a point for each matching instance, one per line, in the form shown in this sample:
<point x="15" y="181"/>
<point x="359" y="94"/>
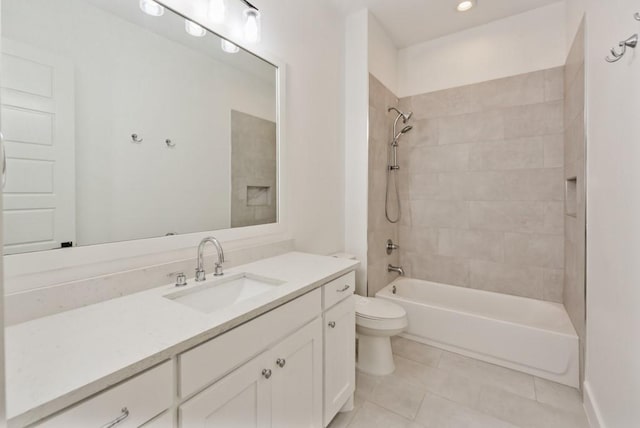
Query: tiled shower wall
<point x="253" y="170"/>
<point x="482" y="186"/>
<point x="575" y="212"/>
<point x="379" y="229"/>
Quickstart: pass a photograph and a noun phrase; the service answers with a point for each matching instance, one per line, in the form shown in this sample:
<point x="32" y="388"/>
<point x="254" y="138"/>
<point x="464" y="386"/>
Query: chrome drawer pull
<point x="343" y="289"/>
<point x="281" y="362"/>
<point x="116" y="421"/>
<point x="332" y="324"/>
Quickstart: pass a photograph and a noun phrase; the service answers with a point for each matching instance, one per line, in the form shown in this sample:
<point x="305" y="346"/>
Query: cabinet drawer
<point x="163" y="421"/>
<point x="339" y="289"/>
<point x="210" y="361"/>
<point x="143" y="397"/>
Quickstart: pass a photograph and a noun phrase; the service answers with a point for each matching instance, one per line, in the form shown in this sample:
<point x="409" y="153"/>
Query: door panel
<point x="38" y="125"/>
<point x="242" y="400"/>
<point x="339" y="356"/>
<point x="297" y="385"/>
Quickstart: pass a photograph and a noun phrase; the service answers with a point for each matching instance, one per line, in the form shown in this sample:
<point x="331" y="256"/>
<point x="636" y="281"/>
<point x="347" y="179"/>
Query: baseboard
<point x="591" y="407"/>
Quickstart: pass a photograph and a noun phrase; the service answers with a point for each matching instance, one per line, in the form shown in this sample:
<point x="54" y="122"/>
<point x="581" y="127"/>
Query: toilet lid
<point x="374" y="308"/>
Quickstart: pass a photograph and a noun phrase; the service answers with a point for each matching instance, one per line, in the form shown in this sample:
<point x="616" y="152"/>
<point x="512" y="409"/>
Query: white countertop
<point x="55" y="361"/>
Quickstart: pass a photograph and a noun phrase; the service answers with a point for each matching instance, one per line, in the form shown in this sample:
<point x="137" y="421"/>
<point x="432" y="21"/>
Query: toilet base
<point x="374" y="355"/>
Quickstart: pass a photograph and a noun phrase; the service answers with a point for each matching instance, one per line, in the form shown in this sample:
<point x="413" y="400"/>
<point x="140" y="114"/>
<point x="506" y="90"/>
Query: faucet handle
<point x="181" y="280"/>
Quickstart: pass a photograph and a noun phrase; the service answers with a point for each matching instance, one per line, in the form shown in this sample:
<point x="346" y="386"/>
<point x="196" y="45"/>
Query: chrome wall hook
<point x="136" y="138"/>
<point x="637" y="16"/>
<point x="631" y="42"/>
<point x="169" y="143"/>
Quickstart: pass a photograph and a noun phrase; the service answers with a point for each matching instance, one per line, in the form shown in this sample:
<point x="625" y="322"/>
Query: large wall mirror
<point x="121" y="126"/>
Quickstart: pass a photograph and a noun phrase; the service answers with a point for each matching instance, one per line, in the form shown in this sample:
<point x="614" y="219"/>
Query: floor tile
<point x="441" y="389"/>
<point x="527" y="413"/>
<point x="437" y="412"/>
<point x="557" y="395"/>
<point x="421" y="375"/>
<point x="373" y="416"/>
<point x="343" y="419"/>
<point x="365" y="384"/>
<point x="489" y="374"/>
<point x="398" y="395"/>
<point x="415" y="351"/>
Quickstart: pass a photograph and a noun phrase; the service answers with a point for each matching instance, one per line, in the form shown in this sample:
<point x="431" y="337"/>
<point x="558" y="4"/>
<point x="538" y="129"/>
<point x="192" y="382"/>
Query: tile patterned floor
<point x="432" y="388"/>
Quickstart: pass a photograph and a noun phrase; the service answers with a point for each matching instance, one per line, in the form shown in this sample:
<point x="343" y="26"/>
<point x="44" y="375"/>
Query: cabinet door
<point x="339" y="356"/>
<point x="240" y="400"/>
<point x="297" y="379"/>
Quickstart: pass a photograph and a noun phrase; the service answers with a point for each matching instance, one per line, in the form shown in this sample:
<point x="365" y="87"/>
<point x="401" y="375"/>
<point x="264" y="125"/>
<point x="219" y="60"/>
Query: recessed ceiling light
<point x="465" y="5"/>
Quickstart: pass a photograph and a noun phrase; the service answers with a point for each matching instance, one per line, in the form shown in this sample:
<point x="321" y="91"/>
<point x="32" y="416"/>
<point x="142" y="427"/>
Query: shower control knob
<point x="391" y="246"/>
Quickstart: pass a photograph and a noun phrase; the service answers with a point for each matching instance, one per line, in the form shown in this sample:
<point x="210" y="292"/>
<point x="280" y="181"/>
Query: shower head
<point x="405" y="116"/>
<point x="404" y="131"/>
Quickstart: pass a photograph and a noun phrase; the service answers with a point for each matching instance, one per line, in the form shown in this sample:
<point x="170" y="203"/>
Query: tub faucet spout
<point x="396" y="269"/>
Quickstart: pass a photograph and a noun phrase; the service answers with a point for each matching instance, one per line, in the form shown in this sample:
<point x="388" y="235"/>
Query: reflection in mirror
<point x="119" y="125"/>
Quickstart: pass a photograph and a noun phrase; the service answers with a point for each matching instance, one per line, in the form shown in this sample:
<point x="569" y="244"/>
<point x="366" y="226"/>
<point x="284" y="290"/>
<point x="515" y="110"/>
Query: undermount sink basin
<point x="220" y="293"/>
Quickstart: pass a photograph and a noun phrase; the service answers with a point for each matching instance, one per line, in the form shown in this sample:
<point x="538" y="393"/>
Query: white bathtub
<point x="528" y="335"/>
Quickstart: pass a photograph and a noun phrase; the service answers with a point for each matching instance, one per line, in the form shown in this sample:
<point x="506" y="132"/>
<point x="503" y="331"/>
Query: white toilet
<point x="376" y="321"/>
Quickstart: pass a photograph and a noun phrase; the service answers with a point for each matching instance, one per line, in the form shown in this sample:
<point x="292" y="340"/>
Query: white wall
<point x="129" y="79"/>
<point x="383" y="55"/>
<point x="357" y="141"/>
<point x="519" y="44"/>
<point x="612" y="378"/>
<point x="574" y="12"/>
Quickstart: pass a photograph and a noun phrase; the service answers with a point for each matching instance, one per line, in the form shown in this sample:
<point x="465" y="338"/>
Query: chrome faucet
<point x="396" y="269"/>
<point x="200" y="274"/>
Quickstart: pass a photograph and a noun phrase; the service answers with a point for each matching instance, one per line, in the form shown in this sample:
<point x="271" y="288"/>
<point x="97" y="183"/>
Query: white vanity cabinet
<point x="127" y="405"/>
<point x="303" y="380"/>
<point x="282" y="387"/>
<point x="339" y="357"/>
<point x="339" y="320"/>
<point x="291" y="367"/>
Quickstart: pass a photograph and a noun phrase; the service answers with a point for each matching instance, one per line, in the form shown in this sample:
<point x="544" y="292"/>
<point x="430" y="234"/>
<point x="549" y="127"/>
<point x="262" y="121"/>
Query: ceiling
<point x="413" y="21"/>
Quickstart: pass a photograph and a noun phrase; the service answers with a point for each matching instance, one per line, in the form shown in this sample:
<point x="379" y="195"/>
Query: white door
<point x="240" y="400"/>
<point x="297" y="379"/>
<point x="37" y="112"/>
<point x="339" y="357"/>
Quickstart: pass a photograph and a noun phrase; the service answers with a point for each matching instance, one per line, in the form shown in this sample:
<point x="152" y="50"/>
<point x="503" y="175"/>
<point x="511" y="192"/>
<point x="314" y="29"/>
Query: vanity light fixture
<point x="194" y="29"/>
<point x="252" y="25"/>
<point x="229" y="47"/>
<point x="465" y="5"/>
<point x="151" y="7"/>
<point x="217" y="10"/>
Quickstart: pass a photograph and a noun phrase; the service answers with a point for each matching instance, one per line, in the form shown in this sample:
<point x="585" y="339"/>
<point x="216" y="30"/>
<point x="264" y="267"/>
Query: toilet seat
<point x="378" y="309"/>
<point x="378" y="314"/>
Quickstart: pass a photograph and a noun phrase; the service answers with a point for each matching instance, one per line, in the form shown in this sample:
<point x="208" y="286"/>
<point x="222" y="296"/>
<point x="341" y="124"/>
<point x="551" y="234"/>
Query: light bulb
<point x="465" y="5"/>
<point x="252" y="25"/>
<point x="217" y="10"/>
<point x="151" y="7"/>
<point x="229" y="47"/>
<point x="194" y="29"/>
